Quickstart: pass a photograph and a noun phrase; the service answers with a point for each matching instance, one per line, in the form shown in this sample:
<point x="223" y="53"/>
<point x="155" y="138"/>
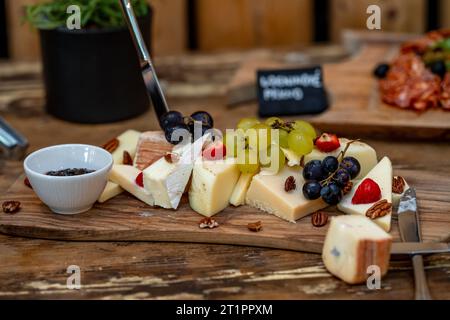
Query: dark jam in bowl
<point x="69" y="172"/>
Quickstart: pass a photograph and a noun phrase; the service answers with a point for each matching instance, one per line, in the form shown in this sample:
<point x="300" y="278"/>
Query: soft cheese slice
<point x="167" y="181"/>
<point x="382" y="175"/>
<point x="267" y="193"/>
<point x="152" y="145"/>
<point x="352" y="244"/>
<point x="397" y="196"/>
<point x="240" y="190"/>
<point x="212" y="185"/>
<point x="112" y="189"/>
<point x="125" y="176"/>
<point x="365" y="154"/>
<point x="127" y="142"/>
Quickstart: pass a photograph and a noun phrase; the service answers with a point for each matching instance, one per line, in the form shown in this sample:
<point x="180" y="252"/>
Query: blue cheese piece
<point x="352" y="244"/>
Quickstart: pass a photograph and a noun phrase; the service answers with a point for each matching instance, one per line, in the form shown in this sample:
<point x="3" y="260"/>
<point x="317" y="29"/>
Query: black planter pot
<point x="93" y="75"/>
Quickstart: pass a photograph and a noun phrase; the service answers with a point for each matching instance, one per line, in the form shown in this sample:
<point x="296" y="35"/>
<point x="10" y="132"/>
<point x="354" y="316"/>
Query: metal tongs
<point x="148" y="72"/>
<point x="13" y="145"/>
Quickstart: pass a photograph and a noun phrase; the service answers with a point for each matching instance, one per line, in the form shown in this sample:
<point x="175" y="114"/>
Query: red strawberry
<point x="368" y="192"/>
<point x="140" y="180"/>
<point x="215" y="151"/>
<point x="327" y="142"/>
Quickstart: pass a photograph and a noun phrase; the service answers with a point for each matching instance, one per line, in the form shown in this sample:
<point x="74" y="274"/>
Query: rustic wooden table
<point x="31" y="268"/>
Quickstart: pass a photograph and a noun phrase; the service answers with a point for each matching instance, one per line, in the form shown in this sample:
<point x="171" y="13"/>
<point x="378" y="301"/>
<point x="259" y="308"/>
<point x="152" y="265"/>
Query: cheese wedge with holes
<point x="125" y="176"/>
<point x="397" y="196"/>
<point x="152" y="145"/>
<point x="352" y="244"/>
<point x="112" y="189"/>
<point x="382" y="175"/>
<point x="240" y="190"/>
<point x="365" y="154"/>
<point x="212" y="184"/>
<point x="127" y="142"/>
<point x="267" y="193"/>
<point x="167" y="180"/>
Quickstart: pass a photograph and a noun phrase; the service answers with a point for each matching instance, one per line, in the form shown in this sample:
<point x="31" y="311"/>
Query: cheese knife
<point x="414" y="248"/>
<point x="408" y="223"/>
<point x="148" y="72"/>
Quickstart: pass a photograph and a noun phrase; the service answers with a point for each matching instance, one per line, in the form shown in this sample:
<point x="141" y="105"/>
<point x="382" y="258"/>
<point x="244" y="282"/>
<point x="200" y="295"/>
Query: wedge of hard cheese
<point x="127" y="142"/>
<point x="240" y="190"/>
<point x="152" y="145"/>
<point x="212" y="185"/>
<point x="111" y="190"/>
<point x="382" y="175"/>
<point x="125" y="176"/>
<point x="365" y="154"/>
<point x="352" y="244"/>
<point x="267" y="193"/>
<point x="167" y="180"/>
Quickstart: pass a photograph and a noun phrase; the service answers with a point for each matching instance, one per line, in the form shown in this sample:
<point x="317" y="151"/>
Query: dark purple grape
<point x="171" y="119"/>
<point x="311" y="190"/>
<point x="204" y="117"/>
<point x="313" y="171"/>
<point x="352" y="166"/>
<point x="342" y="177"/>
<point x="330" y="165"/>
<point x="331" y="194"/>
<point x="178" y="133"/>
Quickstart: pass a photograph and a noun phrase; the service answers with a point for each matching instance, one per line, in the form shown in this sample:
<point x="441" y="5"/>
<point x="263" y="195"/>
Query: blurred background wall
<point x="210" y="25"/>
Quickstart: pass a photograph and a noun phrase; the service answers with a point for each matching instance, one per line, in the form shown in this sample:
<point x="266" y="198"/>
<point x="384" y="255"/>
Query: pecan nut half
<point x="379" y="209"/>
<point x="255" y="226"/>
<point x="111" y="145"/>
<point x="319" y="219"/>
<point x="398" y="184"/>
<point x="348" y="187"/>
<point x="208" y="223"/>
<point x="11" y="206"/>
<point x="290" y="184"/>
<point x="127" y="159"/>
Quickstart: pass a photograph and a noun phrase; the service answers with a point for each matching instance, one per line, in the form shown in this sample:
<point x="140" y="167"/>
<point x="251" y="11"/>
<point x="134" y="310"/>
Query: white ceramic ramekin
<point x="71" y="194"/>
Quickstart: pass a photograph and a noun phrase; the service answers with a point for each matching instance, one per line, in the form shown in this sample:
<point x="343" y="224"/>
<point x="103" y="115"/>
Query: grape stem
<point x="342" y="156"/>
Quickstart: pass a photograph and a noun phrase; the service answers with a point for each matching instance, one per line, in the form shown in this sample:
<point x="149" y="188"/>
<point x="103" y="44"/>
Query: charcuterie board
<point x="125" y="218"/>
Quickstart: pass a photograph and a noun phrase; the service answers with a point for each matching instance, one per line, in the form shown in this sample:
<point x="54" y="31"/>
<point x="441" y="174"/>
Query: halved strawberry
<point x="140" y="180"/>
<point x="215" y="151"/>
<point x="327" y="142"/>
<point x="368" y="192"/>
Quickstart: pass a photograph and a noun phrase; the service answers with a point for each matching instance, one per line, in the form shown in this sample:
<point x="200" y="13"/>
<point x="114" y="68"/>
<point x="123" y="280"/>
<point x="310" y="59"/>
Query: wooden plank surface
<point x="126" y="219"/>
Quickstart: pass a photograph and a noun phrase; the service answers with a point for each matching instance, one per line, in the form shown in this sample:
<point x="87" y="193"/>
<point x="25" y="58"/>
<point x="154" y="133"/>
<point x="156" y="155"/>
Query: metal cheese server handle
<point x="13" y="145"/>
<point x="408" y="222"/>
<point x="419" y="248"/>
<point x="148" y="72"/>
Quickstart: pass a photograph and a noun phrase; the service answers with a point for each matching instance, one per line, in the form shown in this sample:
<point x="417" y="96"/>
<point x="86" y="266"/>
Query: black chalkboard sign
<point x="291" y="92"/>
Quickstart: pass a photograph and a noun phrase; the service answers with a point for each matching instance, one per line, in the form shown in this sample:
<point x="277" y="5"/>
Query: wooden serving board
<point x="126" y="219"/>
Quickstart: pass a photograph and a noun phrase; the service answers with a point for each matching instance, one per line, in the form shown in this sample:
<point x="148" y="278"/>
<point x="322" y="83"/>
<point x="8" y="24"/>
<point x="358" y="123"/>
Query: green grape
<point x="233" y="140"/>
<point x="273" y="120"/>
<point x="283" y="138"/>
<point x="247" y="123"/>
<point x="300" y="143"/>
<point x="264" y="135"/>
<point x="271" y="161"/>
<point x="248" y="161"/>
<point x="305" y="127"/>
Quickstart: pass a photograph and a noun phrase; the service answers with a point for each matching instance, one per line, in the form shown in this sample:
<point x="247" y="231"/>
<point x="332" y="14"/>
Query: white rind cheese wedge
<point x="365" y="154"/>
<point x="125" y="176"/>
<point x="352" y="244"/>
<point x="167" y="181"/>
<point x="267" y="193"/>
<point x="212" y="185"/>
<point x="127" y="142"/>
<point x="382" y="175"/>
<point x="112" y="189"/>
<point x="397" y="196"/>
<point x="240" y="190"/>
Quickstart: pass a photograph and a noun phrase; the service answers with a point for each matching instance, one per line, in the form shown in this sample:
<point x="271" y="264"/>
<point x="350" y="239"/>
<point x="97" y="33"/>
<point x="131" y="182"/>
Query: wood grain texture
<point x="253" y="23"/>
<point x="127" y="219"/>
